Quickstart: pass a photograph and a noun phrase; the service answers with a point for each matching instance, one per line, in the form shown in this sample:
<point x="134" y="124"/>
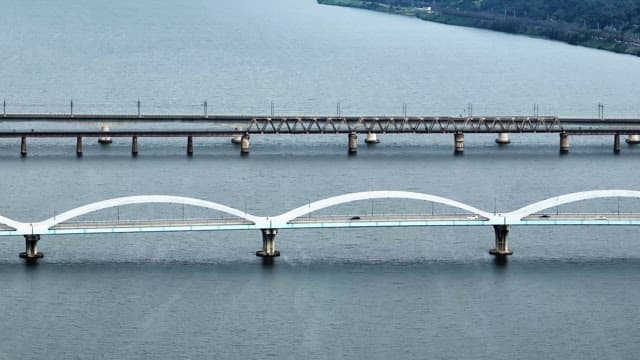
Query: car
<point x="355" y="217"/>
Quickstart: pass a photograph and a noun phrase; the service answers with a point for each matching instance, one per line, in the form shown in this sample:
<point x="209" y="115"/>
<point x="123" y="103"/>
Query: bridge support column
<point x="503" y="139"/>
<point x="134" y="146"/>
<point x="190" y="145"/>
<point x="23" y="146"/>
<point x="564" y="143"/>
<point x="268" y="244"/>
<point x="633" y="139"/>
<point x="353" y="143"/>
<point x="502" y="246"/>
<point x="372" y="138"/>
<point x="79" y="146"/>
<point x="616" y="143"/>
<point x="31" y="248"/>
<point x="459" y="143"/>
<point x="245" y="144"/>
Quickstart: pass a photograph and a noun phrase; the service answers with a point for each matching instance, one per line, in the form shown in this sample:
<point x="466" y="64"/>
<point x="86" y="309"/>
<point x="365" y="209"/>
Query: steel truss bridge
<point x="241" y="127"/>
<point x="322" y="124"/>
<point x="299" y="218"/>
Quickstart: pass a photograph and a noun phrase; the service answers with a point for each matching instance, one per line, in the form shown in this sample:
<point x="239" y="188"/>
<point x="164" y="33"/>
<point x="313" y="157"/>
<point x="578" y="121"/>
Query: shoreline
<point x="566" y="33"/>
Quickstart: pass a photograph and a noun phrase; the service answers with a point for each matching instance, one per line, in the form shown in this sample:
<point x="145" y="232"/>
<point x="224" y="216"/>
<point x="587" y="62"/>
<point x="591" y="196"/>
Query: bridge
<point x="241" y="127"/>
<point x="300" y="218"/>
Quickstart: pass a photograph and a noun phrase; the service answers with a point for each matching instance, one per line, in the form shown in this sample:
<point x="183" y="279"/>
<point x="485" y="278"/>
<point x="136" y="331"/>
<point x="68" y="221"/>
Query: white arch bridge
<point x="67" y="223"/>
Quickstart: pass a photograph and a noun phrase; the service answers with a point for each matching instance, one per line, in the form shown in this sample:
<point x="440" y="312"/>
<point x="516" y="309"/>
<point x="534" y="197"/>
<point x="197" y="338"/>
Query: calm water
<point x="568" y="292"/>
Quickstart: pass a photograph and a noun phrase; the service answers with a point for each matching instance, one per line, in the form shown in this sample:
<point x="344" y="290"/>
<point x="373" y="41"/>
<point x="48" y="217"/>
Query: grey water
<point x="567" y="292"/>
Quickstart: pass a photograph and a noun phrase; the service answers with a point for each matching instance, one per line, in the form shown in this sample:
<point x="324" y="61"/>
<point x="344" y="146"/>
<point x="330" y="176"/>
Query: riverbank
<point x="548" y="29"/>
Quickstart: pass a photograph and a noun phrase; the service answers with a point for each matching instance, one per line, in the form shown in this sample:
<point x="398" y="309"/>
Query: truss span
<point x="517" y="215"/>
<point x="369" y="195"/>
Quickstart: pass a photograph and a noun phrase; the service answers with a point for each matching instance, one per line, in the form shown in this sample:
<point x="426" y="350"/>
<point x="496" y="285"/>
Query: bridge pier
<point x="79" y="146"/>
<point x="458" y="138"/>
<point x="23" y="146"/>
<point x="353" y="143"/>
<point x="268" y="244"/>
<point x="190" y="145"/>
<point x="564" y="143"/>
<point x="245" y="144"/>
<point x="134" y="146"/>
<point x="503" y="139"/>
<point x="372" y="138"/>
<point x="616" y="143"/>
<point x="502" y="246"/>
<point x="31" y="248"/>
<point x="633" y="139"/>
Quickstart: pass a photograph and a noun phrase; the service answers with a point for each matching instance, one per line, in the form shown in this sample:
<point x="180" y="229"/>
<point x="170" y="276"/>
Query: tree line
<point x="607" y="24"/>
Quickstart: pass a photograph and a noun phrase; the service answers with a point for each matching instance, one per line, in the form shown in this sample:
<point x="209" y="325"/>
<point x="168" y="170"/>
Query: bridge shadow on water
<point x="500" y="262"/>
<point x="268" y="263"/>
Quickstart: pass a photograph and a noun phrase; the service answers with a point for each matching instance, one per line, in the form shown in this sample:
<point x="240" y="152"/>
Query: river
<point x="567" y="292"/>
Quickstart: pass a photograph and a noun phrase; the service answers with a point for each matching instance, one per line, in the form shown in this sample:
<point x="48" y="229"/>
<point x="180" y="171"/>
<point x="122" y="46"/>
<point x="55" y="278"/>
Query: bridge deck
<point x="581" y="219"/>
<point x="335" y="221"/>
<point x="225" y="125"/>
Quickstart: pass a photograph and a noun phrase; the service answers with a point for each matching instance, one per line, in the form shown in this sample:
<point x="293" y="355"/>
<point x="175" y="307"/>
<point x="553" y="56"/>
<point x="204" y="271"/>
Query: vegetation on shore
<point x="612" y="25"/>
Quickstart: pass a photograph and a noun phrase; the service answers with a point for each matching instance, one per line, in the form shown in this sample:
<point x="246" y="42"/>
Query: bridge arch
<point x="11" y="223"/>
<point x="141" y="199"/>
<point x="530" y="209"/>
<point x="369" y="195"/>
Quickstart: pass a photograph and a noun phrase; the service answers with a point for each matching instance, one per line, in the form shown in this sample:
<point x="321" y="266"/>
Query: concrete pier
<point x="372" y="138"/>
<point x="502" y="246"/>
<point x="633" y="139"/>
<point x="503" y="139"/>
<point x="564" y="143"/>
<point x="236" y="139"/>
<point x="79" y="146"/>
<point x="616" y="143"/>
<point x="105" y="139"/>
<point x="23" y="146"/>
<point x="190" y="145"/>
<point x="31" y="248"/>
<point x="459" y="143"/>
<point x="268" y="244"/>
<point x="353" y="143"/>
<point x="134" y="146"/>
<point x="245" y="144"/>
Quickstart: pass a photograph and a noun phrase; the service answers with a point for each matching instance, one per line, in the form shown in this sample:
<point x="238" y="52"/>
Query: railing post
<point x="71" y="107"/>
<point x="138" y="107"/>
<point x="205" y="108"/>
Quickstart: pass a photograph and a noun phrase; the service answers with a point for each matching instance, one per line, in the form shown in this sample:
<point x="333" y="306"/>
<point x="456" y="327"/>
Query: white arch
<point x="368" y="195"/>
<point x="517" y="215"/>
<point x="9" y="222"/>
<point x="43" y="226"/>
